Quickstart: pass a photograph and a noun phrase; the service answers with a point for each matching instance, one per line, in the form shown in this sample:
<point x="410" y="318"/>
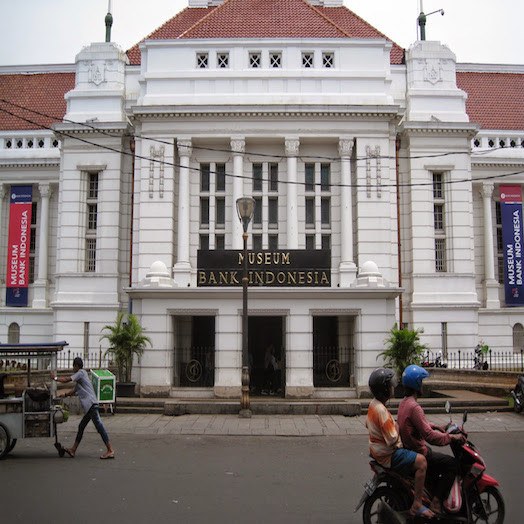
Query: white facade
<point x="179" y="117"/>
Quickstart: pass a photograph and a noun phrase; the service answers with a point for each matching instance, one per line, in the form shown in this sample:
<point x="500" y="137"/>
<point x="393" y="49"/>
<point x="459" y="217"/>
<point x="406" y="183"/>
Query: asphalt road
<point x="197" y="479"/>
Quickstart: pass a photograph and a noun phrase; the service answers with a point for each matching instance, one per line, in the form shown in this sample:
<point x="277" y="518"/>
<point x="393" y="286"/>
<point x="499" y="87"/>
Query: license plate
<point x="370" y="486"/>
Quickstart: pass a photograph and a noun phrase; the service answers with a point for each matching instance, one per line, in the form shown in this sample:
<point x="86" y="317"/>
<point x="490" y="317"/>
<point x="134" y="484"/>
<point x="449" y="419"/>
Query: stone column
<point x="238" y="146"/>
<point x="491" y="286"/>
<point x="40" y="285"/>
<point x="182" y="269"/>
<point x="292" y="144"/>
<point x="347" y="268"/>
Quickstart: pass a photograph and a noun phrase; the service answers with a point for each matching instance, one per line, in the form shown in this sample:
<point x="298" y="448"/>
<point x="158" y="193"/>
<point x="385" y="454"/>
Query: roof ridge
<point x="200" y="20"/>
<point x="327" y="19"/>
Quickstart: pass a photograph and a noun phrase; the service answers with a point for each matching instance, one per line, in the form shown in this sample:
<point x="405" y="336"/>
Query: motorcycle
<point x="474" y="496"/>
<point x="437" y="363"/>
<point x="518" y="395"/>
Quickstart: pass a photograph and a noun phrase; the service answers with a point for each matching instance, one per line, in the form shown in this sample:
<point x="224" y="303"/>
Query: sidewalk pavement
<point x="275" y="425"/>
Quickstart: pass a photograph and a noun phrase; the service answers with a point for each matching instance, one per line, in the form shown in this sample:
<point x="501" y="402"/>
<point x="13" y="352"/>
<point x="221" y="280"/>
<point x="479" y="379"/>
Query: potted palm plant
<point x="126" y="340"/>
<point x="404" y="349"/>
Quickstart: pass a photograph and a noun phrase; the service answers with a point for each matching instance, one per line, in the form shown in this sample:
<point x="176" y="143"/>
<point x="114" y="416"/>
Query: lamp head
<point x="245" y="208"/>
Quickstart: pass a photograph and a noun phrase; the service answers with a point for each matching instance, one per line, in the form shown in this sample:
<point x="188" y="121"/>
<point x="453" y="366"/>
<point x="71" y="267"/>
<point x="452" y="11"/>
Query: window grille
<point x="255" y="60"/>
<point x="328" y="60"/>
<point x="202" y="61"/>
<point x="32" y="242"/>
<point x="275" y="60"/>
<point x="439" y="222"/>
<point x="500" y="245"/>
<point x="317" y="208"/>
<point x="307" y="60"/>
<point x="223" y="60"/>
<point x="92" y="222"/>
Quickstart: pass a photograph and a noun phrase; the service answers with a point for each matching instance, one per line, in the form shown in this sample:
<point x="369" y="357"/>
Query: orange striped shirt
<point x="384" y="439"/>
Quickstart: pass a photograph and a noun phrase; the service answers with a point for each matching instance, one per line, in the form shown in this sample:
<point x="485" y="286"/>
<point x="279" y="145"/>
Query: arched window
<point x="13" y="333"/>
<point x="518" y="338"/>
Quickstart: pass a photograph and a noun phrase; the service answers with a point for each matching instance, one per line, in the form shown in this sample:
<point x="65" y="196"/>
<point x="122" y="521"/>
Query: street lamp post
<point x="245" y="208"/>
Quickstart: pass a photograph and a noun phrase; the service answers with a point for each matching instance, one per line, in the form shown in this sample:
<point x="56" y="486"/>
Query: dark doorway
<point x="266" y="356"/>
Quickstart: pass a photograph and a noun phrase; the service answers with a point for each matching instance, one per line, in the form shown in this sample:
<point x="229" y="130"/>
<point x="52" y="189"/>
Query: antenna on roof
<point x="422" y="20"/>
<point x="109" y="22"/>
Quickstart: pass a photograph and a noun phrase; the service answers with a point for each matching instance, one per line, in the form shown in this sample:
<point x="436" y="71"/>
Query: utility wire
<point x="245" y="177"/>
<point x="248" y="153"/>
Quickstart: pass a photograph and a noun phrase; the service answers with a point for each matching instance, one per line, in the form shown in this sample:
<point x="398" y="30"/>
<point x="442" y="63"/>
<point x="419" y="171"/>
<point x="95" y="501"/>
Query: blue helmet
<point x="413" y="376"/>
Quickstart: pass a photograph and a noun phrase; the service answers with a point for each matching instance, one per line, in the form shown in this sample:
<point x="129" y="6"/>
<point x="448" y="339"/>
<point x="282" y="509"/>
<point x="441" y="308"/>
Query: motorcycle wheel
<point x="382" y="494"/>
<point x="493" y="506"/>
<point x="517" y="408"/>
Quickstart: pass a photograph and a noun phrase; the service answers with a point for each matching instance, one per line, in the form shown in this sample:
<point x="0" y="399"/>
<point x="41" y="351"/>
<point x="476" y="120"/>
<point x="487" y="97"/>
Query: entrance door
<point x="266" y="354"/>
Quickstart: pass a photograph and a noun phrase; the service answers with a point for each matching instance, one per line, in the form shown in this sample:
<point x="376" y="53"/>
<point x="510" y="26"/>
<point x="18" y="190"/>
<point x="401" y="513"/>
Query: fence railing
<point x="93" y="360"/>
<point x="492" y="359"/>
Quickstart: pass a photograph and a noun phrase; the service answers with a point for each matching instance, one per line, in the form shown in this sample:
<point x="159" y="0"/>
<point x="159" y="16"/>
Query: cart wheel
<point x="5" y="441"/>
<point x="12" y="446"/>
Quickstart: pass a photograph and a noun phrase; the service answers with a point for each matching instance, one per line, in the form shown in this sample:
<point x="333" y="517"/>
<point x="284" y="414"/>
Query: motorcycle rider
<point x="415" y="430"/>
<point x="385" y="445"/>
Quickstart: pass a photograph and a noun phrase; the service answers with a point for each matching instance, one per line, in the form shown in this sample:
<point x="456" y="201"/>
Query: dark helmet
<point x="413" y="376"/>
<point x="380" y="381"/>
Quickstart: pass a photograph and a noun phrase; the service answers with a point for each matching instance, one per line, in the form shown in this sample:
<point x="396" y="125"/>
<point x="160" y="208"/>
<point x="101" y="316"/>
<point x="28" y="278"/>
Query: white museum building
<point x="380" y="178"/>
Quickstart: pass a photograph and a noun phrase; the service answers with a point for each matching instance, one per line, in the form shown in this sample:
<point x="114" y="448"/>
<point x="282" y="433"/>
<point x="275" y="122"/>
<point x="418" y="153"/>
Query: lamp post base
<point x="245" y="413"/>
<point x="245" y="404"/>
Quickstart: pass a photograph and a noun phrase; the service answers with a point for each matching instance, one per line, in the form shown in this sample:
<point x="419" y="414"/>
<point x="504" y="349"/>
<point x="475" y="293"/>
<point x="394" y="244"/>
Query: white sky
<point x="54" y="31"/>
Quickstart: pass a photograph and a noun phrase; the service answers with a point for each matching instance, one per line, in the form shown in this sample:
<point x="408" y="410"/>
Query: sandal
<point x="107" y="456"/>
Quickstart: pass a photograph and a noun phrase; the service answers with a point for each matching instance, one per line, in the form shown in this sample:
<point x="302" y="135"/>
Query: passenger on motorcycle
<point x="415" y="430"/>
<point x="385" y="445"/>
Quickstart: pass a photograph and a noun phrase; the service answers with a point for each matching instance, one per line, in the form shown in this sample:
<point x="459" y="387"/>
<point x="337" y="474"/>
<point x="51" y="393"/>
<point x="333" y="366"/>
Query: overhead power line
<point x="244" y="177"/>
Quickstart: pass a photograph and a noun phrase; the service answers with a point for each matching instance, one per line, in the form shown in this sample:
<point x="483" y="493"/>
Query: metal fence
<point x="332" y="366"/>
<point x="195" y="366"/>
<point x="462" y="359"/>
<point x="93" y="360"/>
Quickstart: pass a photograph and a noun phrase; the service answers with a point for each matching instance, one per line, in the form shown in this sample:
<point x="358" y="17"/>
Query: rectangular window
<point x="92" y="221"/>
<point x="257" y="242"/>
<point x="440" y="254"/>
<point x="93" y="186"/>
<point x="326" y="241"/>
<point x="438" y="217"/>
<point x="275" y="60"/>
<point x="273" y="242"/>
<point x="310" y="212"/>
<point x="204" y="241"/>
<point x="328" y="60"/>
<point x="325" y="176"/>
<point x="202" y="61"/>
<point x="273" y="212"/>
<point x="220" y="173"/>
<point x="437" y="186"/>
<point x="204" y="177"/>
<point x="444" y="339"/>
<point x="439" y="211"/>
<point x="223" y="60"/>
<point x="92" y="216"/>
<point x="310" y="177"/>
<point x="325" y="214"/>
<point x="500" y="245"/>
<point x="90" y="263"/>
<point x="307" y="60"/>
<point x="273" y="177"/>
<point x="257" y="177"/>
<point x="310" y="242"/>
<point x="220" y="212"/>
<point x="257" y="213"/>
<point x="255" y="60"/>
<point x="32" y="243"/>
<point x="204" y="211"/>
<point x="220" y="242"/>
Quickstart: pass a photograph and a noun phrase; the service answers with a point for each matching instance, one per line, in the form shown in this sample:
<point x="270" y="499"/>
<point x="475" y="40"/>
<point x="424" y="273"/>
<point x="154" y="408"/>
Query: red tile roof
<point x="42" y="92"/>
<point x="266" y="19"/>
<point x="495" y="100"/>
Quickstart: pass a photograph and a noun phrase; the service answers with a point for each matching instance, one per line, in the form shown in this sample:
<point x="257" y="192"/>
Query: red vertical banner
<point x="18" y="245"/>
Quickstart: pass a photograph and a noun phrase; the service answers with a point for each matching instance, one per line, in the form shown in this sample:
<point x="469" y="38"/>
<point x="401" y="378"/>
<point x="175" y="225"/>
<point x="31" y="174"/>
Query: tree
<point x="126" y="339"/>
<point x="404" y="349"/>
